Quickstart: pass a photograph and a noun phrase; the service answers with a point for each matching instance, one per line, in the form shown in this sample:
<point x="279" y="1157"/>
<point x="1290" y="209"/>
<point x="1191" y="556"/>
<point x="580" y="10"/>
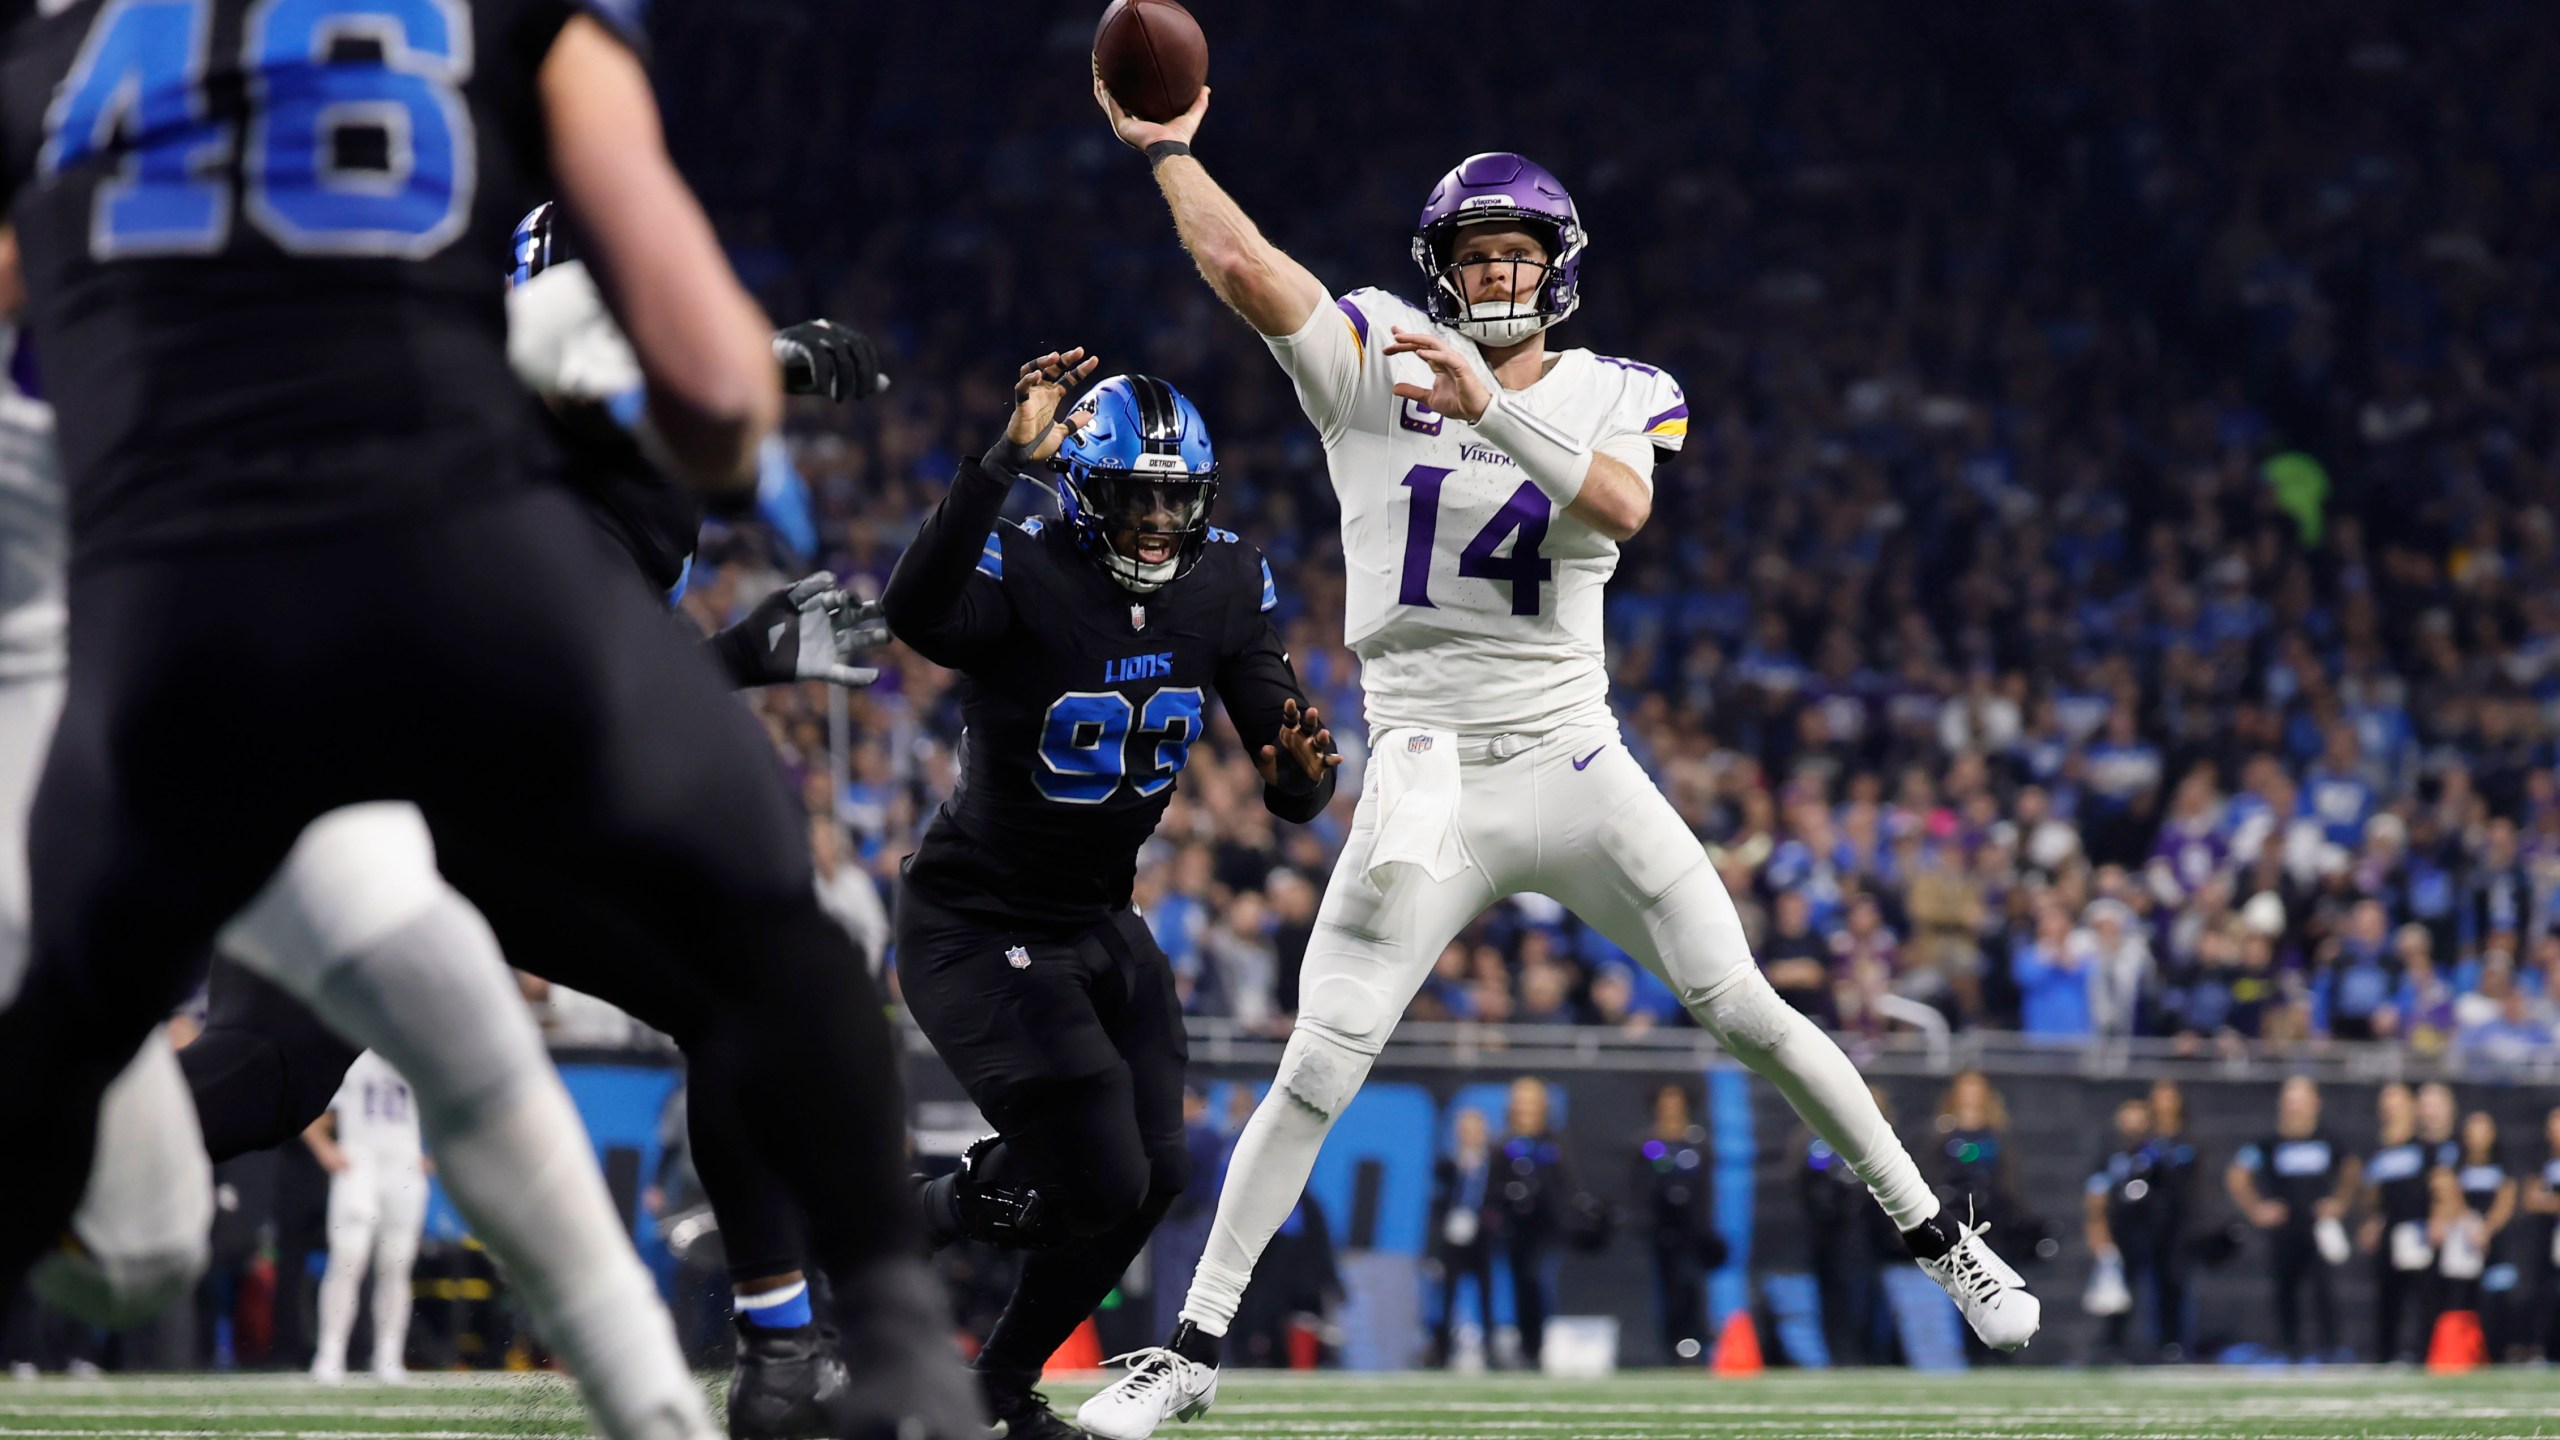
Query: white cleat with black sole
<point x="1992" y="1296"/>
<point x="1161" y="1385"/>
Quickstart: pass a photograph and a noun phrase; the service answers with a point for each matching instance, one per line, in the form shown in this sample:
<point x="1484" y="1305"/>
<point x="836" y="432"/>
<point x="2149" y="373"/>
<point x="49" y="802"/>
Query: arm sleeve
<point x="1254" y="679"/>
<point x="946" y="597"/>
<point x="1328" y="358"/>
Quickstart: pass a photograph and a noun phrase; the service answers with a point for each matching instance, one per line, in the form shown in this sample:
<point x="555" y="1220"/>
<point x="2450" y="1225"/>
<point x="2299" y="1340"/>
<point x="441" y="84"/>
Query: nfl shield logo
<point x="1416" y="744"/>
<point x="1137" y="617"/>
<point x="1018" y="958"/>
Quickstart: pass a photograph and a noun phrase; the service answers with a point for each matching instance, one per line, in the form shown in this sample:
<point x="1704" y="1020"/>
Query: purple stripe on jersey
<point x="1359" y="322"/>
<point x="1676" y="412"/>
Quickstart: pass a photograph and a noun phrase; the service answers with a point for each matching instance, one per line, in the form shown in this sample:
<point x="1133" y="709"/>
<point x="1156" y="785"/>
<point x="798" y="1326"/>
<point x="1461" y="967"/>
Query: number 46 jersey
<point x="1473" y="605"/>
<point x="265" y="244"/>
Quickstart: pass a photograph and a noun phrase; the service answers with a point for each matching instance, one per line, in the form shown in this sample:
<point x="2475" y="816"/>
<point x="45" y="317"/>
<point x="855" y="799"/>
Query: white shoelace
<point x="1966" y="1268"/>
<point x="1152" y="1369"/>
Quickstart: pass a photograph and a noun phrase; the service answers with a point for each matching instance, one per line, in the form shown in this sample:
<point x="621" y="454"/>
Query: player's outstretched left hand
<point x="821" y="357"/>
<point x="1038" y="391"/>
<point x="809" y="630"/>
<point x="1309" y="746"/>
<point x="1456" y="389"/>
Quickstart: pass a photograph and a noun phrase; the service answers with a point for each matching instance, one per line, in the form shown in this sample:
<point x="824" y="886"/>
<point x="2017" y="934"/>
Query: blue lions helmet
<point x="535" y="242"/>
<point x="1139" y="474"/>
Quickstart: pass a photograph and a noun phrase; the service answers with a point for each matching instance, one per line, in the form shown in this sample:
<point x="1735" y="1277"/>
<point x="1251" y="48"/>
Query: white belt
<point x="1496" y="748"/>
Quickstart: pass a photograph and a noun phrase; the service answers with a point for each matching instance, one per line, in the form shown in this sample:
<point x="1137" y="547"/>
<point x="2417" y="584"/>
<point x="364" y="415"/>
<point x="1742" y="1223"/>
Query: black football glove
<point x="806" y="631"/>
<point x="821" y="357"/>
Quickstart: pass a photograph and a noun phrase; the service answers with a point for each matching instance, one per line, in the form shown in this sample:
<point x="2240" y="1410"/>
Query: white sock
<point x="435" y="998"/>
<point x="1782" y="1047"/>
<point x="1265" y="1178"/>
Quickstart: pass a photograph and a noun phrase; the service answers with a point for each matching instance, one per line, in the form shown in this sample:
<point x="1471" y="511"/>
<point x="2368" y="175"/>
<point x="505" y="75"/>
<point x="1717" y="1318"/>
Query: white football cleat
<point x="1992" y="1296"/>
<point x="1161" y="1385"/>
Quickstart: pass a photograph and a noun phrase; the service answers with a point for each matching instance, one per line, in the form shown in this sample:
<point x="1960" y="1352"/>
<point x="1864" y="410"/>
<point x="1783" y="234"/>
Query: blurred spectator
<point x="2173" y="1194"/>
<point x="1799" y="962"/>
<point x="2053" y="983"/>
<point x="1972" y="1165"/>
<point x="1461" y="1182"/>
<point x="2394" y="1231"/>
<point x="2479" y="1274"/>
<point x="1671" y="1177"/>
<point x="2542" y="1199"/>
<point x="2116" y="1213"/>
<point x="2289" y="1185"/>
<point x="1533" y="1186"/>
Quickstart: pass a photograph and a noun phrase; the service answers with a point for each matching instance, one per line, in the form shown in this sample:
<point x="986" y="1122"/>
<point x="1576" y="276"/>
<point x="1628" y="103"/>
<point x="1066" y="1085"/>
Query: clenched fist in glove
<point x="821" y="357"/>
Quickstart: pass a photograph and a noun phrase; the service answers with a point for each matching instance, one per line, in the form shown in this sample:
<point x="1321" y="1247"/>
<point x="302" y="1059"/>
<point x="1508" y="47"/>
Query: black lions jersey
<point x="1081" y="699"/>
<point x="266" y="243"/>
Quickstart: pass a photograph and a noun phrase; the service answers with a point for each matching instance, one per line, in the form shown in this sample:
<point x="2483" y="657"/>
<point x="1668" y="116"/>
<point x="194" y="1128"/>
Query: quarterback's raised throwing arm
<point x="1496" y="283"/>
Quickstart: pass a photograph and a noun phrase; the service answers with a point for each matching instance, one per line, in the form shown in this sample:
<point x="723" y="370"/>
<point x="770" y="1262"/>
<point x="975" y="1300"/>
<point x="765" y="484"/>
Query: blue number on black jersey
<point x="141" y="72"/>
<point x="1083" y="743"/>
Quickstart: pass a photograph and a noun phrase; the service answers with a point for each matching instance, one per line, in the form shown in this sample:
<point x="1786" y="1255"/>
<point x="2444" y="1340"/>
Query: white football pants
<point x="1569" y="815"/>
<point x="359" y="924"/>
<point x="376" y="1212"/>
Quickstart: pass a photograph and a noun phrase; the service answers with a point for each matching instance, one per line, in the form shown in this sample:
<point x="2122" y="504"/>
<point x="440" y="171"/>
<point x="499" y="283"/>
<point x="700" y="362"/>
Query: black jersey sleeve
<point x="939" y="599"/>
<point x="1255" y="679"/>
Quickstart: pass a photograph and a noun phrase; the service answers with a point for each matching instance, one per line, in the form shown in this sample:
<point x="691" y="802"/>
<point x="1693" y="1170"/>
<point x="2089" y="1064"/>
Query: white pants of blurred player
<point x="376" y="1212"/>
<point x="1469" y="820"/>
<point x="359" y="924"/>
<point x="143" y="1220"/>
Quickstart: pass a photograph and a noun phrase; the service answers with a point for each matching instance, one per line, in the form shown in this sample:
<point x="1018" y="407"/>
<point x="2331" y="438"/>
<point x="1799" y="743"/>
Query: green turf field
<point x="2012" y="1405"/>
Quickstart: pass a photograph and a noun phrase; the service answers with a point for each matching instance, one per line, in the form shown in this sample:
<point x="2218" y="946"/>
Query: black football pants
<point x="1073" y="1047"/>
<point x="592" y="787"/>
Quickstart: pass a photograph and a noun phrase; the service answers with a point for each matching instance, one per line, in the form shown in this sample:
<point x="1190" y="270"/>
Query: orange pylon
<point x="1738" y="1348"/>
<point x="2458" y="1344"/>
<point x="1083" y="1351"/>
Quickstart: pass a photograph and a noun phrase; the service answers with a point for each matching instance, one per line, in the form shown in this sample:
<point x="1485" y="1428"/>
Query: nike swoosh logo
<point x="1586" y="760"/>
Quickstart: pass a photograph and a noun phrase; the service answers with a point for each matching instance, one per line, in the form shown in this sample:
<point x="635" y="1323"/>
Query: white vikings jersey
<point x="31" y="534"/>
<point x="1472" y="604"/>
<point x="377" y="1116"/>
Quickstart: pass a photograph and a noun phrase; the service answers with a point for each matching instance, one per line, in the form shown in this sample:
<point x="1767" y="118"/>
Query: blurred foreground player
<point x="265" y="1066"/>
<point x="302" y="480"/>
<point x="1486" y="485"/>
<point x="1090" y="648"/>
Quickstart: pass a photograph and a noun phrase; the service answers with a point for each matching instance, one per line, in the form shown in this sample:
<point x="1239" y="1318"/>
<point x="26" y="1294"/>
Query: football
<point x="1151" y="56"/>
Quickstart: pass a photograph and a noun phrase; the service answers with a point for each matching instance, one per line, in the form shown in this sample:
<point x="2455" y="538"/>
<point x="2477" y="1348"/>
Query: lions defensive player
<point x="1091" y="647"/>
<point x="1485" y="483"/>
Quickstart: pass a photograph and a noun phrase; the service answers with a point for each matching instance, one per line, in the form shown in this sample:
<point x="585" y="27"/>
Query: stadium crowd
<point x="2108" y="589"/>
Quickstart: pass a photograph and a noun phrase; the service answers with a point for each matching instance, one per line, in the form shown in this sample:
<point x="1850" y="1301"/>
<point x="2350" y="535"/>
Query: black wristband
<point x="1006" y="460"/>
<point x="1164" y="150"/>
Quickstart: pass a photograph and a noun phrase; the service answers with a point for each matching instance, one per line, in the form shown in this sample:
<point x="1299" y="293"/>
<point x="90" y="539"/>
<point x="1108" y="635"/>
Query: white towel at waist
<point x="1417" y="804"/>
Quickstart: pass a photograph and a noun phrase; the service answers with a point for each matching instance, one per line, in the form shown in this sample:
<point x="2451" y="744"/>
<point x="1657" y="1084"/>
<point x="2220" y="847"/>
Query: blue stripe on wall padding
<point x="1737" y="1150"/>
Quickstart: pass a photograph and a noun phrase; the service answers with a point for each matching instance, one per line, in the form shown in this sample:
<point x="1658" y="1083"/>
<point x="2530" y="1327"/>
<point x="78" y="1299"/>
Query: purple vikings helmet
<point x="1500" y="187"/>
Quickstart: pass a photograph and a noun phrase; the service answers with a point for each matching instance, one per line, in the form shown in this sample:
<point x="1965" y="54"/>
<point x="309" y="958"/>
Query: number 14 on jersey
<point x="1521" y="522"/>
